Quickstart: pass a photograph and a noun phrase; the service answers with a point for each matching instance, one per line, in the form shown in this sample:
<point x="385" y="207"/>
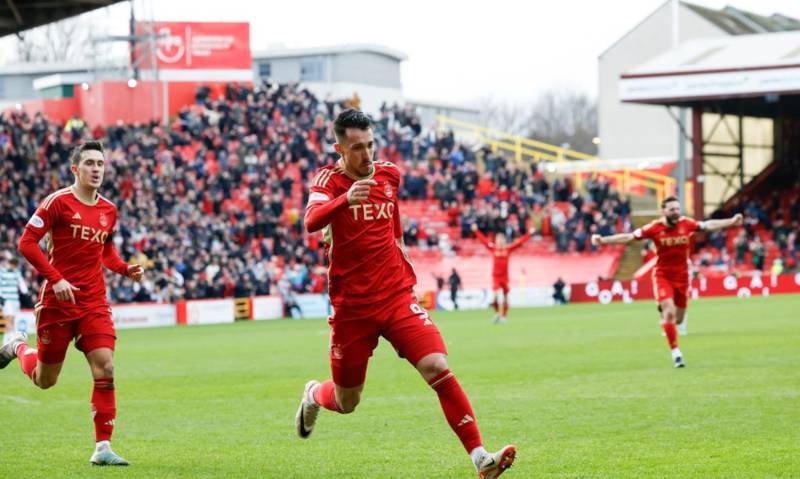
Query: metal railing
<point x="625" y="179"/>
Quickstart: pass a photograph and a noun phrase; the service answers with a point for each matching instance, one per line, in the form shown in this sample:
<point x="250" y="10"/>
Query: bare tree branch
<point x="559" y="117"/>
<point x="67" y="40"/>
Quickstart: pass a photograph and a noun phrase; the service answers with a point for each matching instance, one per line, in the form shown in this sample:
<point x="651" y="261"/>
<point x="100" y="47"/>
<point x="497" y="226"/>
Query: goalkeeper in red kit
<point x="671" y="234"/>
<point x="78" y="224"/>
<point x="371" y="290"/>
<point x="501" y="251"/>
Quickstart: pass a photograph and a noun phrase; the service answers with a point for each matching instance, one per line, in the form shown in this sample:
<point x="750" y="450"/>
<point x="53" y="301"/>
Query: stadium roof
<point x="330" y="50"/>
<point x="730" y="20"/>
<point x="763" y="66"/>
<point x="19" y="15"/>
<point x="741" y="22"/>
<point x="742" y="52"/>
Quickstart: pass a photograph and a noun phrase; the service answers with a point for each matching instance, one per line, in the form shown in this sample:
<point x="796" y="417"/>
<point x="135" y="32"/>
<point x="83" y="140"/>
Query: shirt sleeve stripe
<point x="49" y="201"/>
<point x="322" y="178"/>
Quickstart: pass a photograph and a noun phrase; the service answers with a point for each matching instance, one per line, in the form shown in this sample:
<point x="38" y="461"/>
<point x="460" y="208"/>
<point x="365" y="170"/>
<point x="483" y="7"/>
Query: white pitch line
<point x="19" y="400"/>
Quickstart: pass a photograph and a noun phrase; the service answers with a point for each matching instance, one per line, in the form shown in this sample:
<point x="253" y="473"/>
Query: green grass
<point x="584" y="391"/>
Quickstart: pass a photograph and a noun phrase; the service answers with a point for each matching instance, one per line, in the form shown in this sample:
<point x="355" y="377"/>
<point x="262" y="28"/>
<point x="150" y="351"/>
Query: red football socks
<point x="325" y="396"/>
<point x="27" y="359"/>
<point x="505" y="309"/>
<point x="671" y="332"/>
<point x="457" y="409"/>
<point x="104" y="408"/>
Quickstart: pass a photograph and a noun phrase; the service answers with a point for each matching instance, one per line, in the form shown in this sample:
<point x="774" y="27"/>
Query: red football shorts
<point x="55" y="329"/>
<point x="500" y="282"/>
<point x="664" y="288"/>
<point x="355" y="331"/>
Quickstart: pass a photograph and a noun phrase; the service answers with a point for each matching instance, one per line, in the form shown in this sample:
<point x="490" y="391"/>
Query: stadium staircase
<point x="645" y="210"/>
<point x="631" y="259"/>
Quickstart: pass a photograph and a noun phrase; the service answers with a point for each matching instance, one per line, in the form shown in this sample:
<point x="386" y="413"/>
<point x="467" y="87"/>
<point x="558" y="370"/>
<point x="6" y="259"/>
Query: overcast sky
<point x="459" y="51"/>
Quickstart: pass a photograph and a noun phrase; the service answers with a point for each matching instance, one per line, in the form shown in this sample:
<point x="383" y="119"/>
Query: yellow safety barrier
<point x="628" y="181"/>
<point x="516" y="144"/>
<point x="624" y="179"/>
<point x="689" y="200"/>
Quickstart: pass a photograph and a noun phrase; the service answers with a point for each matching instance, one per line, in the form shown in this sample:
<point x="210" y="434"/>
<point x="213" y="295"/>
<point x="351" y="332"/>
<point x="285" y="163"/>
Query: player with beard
<point x="371" y="281"/>
<point x="672" y="236"/>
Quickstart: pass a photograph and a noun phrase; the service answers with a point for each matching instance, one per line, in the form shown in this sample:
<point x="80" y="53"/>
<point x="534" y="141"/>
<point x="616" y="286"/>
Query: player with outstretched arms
<point x="371" y="281"/>
<point x="78" y="224"/>
<point x="671" y="235"/>
<point x="501" y="251"/>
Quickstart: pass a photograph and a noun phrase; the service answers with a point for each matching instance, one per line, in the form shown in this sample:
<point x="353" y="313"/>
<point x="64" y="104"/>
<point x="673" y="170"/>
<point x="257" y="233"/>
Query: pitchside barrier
<point x="311" y="306"/>
<point x="471" y="298"/>
<point x="220" y="311"/>
<point x="605" y="292"/>
<point x="192" y="312"/>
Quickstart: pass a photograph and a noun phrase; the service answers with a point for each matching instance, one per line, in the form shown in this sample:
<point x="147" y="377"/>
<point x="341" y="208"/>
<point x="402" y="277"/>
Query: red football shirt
<point x="673" y="244"/>
<point x="366" y="263"/>
<point x="79" y="243"/>
<point x="500" y="255"/>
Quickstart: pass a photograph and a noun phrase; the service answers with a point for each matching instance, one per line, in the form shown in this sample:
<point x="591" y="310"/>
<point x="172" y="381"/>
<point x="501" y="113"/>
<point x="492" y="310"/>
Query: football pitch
<point x="584" y="391"/>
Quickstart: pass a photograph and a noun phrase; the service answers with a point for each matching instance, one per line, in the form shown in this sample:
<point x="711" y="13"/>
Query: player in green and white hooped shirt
<point x="11" y="284"/>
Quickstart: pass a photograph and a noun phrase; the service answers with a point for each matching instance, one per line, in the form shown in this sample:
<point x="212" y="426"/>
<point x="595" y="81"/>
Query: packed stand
<point x="212" y="205"/>
<point x="507" y="197"/>
<point x="209" y="206"/>
<point x="768" y="242"/>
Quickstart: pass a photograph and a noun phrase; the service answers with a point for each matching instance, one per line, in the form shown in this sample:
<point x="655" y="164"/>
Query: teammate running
<point x="501" y="251"/>
<point x="78" y="224"/>
<point x="671" y="234"/>
<point x="371" y="283"/>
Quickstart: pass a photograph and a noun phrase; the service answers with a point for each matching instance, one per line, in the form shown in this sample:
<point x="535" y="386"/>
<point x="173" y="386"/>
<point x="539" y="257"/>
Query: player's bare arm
<point x="716" y="225"/>
<point x="621" y="238"/>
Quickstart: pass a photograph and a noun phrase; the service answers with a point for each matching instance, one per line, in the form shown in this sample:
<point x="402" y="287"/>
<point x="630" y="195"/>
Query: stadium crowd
<point x="768" y="242"/>
<point x="212" y="206"/>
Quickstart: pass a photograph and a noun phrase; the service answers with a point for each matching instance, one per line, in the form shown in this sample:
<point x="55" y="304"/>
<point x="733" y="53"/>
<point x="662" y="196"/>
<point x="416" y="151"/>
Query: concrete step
<point x="630" y="262"/>
<point x="632" y="257"/>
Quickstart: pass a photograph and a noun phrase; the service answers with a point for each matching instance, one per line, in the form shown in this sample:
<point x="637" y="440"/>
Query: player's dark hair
<point x="350" y="118"/>
<point x="75" y="157"/>
<point x="667" y="200"/>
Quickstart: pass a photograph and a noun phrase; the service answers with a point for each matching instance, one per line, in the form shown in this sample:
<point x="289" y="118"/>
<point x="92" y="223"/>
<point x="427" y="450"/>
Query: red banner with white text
<point x="605" y="292"/>
<point x="198" y="51"/>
